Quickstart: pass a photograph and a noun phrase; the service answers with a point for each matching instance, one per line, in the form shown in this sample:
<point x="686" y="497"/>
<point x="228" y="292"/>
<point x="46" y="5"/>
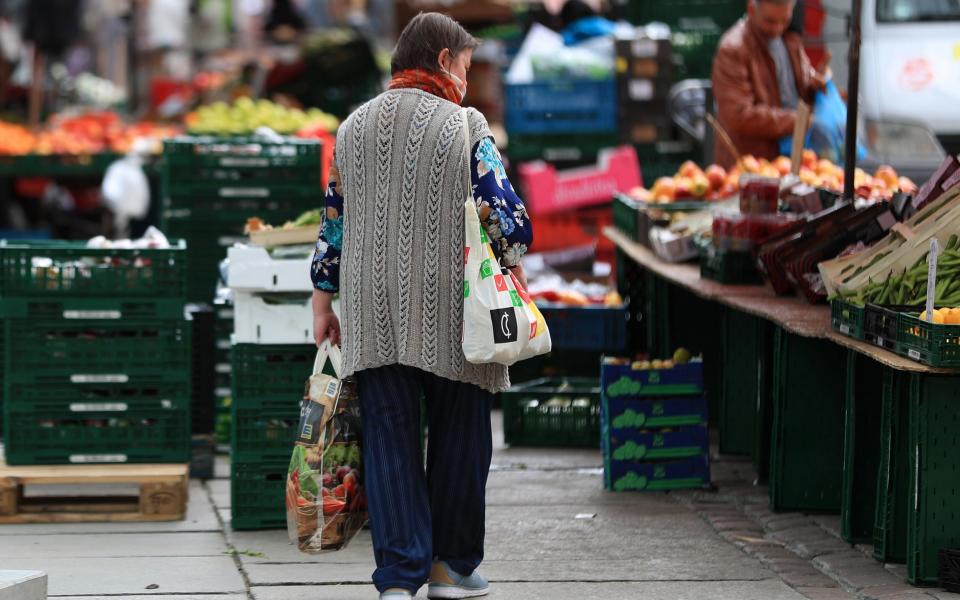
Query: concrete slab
<point x="511" y="488"/>
<point x="200" y="517"/>
<point x="165" y="597"/>
<point x="221" y="466"/>
<point x="23" y="585"/>
<point x="219" y="490"/>
<point x="707" y="566"/>
<point x="545" y="459"/>
<point x="94" y="577"/>
<point x="760" y="590"/>
<point x="275" y="548"/>
<point x="112" y="545"/>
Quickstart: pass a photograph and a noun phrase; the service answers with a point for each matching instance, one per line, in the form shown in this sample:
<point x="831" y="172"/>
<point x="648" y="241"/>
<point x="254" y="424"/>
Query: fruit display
<point x="85" y="134"/>
<point x="245" y="116"/>
<point x="552" y="288"/>
<point x="943" y="316"/>
<point x="715" y="183"/>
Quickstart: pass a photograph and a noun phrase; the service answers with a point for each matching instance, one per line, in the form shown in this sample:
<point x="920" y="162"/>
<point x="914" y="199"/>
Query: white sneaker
<point x="395" y="594"/>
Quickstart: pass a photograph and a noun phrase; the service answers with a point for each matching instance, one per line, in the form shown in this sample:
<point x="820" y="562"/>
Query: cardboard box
<point x="687" y="473"/>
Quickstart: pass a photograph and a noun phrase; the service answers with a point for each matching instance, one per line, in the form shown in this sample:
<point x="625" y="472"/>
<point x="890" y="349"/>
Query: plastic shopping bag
<point x="828" y="129"/>
<point x="325" y="498"/>
<point x="501" y="324"/>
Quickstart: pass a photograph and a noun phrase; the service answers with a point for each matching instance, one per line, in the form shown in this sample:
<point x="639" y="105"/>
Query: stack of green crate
<point x="268" y="385"/>
<point x="211" y="186"/>
<point x="97" y="354"/>
<point x="223" y="328"/>
<point x="697" y="26"/>
<point x="653" y="427"/>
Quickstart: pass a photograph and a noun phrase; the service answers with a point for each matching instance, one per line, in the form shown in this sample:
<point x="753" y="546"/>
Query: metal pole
<point x="853" y="100"/>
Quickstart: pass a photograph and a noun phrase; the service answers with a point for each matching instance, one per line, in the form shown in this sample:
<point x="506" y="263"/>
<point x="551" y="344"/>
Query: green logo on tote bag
<point x="483" y="235"/>
<point x="515" y="298"/>
<point x="466" y="289"/>
<point x="485" y="269"/>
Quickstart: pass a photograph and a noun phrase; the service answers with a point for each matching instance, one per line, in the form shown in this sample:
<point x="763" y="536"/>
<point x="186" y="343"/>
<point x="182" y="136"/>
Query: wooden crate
<point x="161" y="493"/>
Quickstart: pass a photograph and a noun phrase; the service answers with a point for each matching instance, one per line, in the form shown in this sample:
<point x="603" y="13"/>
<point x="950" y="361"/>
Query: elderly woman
<point x="392" y="244"/>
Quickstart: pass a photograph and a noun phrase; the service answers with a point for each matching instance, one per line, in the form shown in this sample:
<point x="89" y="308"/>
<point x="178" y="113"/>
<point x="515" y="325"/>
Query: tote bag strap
<point x="328" y="350"/>
<point x="466" y="149"/>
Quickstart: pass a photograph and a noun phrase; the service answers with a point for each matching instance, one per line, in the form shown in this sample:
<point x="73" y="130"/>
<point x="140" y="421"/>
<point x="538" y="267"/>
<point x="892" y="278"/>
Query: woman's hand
<point x="520" y="275"/>
<point x="326" y="325"/>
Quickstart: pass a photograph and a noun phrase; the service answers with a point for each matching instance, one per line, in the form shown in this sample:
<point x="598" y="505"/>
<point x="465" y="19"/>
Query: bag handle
<point x="328" y="351"/>
<point x="467" y="147"/>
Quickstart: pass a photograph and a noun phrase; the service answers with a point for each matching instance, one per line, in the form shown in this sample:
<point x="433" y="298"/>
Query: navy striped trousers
<point x="418" y="516"/>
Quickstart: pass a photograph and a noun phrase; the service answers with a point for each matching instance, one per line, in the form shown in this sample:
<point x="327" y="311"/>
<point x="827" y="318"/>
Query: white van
<point x="910" y="82"/>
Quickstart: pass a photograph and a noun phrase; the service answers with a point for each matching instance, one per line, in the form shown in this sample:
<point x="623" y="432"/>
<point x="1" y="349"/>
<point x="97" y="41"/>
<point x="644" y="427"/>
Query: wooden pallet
<point x="161" y="496"/>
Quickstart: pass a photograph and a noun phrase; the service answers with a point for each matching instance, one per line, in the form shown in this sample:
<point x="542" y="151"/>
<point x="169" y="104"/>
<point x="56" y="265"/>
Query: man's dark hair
<point x="574" y="10"/>
<point x="425" y="37"/>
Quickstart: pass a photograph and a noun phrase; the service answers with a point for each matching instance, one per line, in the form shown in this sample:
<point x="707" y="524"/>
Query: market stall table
<point x="854" y="427"/>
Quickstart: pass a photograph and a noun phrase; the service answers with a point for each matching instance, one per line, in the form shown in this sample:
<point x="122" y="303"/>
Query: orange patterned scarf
<point x="437" y="84"/>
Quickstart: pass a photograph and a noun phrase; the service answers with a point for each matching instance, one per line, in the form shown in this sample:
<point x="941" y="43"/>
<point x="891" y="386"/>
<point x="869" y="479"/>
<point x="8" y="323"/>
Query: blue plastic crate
<point x="627" y="475"/>
<point x="593" y="328"/>
<point x="623" y="381"/>
<point x="573" y="106"/>
<point x="627" y="413"/>
<point x="656" y="444"/>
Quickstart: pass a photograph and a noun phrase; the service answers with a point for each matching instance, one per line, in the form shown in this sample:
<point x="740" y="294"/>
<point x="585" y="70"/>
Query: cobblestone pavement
<point x="553" y="533"/>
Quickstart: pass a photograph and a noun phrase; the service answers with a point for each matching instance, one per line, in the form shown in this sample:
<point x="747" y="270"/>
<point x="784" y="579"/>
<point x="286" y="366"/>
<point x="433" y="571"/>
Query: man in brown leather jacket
<point x="760" y="72"/>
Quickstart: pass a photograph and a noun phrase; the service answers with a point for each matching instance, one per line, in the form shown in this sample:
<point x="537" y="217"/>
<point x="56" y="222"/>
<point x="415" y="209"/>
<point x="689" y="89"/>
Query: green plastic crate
<point x="934" y="518"/>
<point x="71" y="270"/>
<point x="552" y="412"/>
<point x="864" y="392"/>
<point x="739" y="333"/>
<point x="928" y="343"/>
<point x="694" y="52"/>
<point x="847" y="318"/>
<point x="263" y="428"/>
<point x="728" y="266"/>
<point x="39" y="349"/>
<point x="708" y="15"/>
<point x="807" y="424"/>
<point x="890" y="516"/>
<point x="257" y="495"/>
<point x="46" y="424"/>
<point x="626" y="216"/>
<point x="262" y="370"/>
<point x="107" y="309"/>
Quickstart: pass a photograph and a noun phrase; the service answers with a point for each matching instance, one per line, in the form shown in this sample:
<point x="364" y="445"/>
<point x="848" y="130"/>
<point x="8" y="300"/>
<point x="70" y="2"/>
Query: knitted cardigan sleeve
<point x="507" y="224"/>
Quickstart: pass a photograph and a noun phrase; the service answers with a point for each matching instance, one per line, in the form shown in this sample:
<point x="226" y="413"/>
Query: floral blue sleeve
<point x="508" y="225"/>
<point x="325" y="270"/>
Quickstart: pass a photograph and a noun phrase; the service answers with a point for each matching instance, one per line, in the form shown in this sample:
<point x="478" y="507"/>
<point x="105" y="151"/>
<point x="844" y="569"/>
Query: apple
<point x="700" y="185"/>
<point x="809" y="160"/>
<point x="888" y="176"/>
<point x="684" y="188"/>
<point x="665" y="187"/>
<point x="327" y="480"/>
<point x="907" y="186"/>
<point x="640" y="193"/>
<point x="689" y="169"/>
<point x="716" y="175"/>
<point x="342" y="472"/>
<point x="770" y="171"/>
<point x="783" y="165"/>
<point x="750" y="164"/>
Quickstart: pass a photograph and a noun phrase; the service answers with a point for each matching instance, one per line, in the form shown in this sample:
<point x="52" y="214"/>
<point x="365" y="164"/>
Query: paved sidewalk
<point x="653" y="546"/>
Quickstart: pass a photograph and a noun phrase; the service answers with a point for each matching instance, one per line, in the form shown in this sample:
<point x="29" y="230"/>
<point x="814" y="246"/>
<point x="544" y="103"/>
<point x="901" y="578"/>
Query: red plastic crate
<point x="548" y="191"/>
<point x="573" y="229"/>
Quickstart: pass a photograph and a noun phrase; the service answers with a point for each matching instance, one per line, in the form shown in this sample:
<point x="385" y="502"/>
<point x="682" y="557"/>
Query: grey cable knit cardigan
<point x="404" y="176"/>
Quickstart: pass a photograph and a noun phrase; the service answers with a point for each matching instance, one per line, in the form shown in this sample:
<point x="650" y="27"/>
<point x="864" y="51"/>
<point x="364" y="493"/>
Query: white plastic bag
<point x="501" y="324"/>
